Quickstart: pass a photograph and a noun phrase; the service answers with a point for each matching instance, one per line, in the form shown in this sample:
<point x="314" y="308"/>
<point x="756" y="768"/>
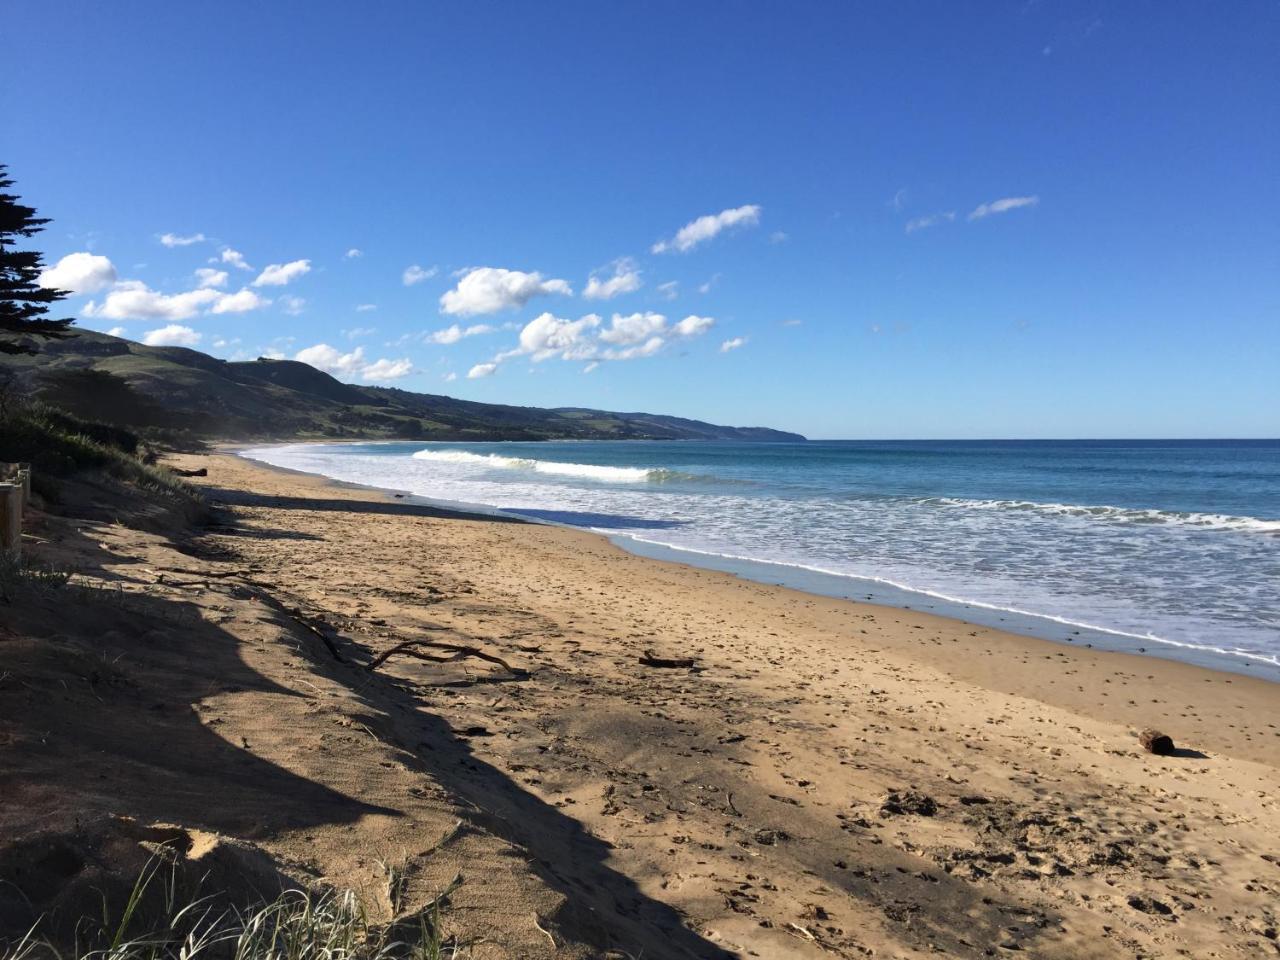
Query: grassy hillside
<point x="185" y="392"/>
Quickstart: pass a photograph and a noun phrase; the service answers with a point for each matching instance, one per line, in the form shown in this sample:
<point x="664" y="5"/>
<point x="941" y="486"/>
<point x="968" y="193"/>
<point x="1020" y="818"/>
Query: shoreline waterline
<point x="844" y="586"/>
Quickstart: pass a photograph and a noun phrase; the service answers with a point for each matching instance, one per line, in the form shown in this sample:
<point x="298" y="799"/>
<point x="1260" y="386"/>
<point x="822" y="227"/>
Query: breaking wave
<point x="589" y="471"/>
<point x="1126" y="515"/>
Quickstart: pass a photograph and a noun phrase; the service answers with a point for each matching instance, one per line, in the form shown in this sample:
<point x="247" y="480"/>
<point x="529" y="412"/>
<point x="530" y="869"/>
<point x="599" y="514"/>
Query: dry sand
<point x="831" y="779"/>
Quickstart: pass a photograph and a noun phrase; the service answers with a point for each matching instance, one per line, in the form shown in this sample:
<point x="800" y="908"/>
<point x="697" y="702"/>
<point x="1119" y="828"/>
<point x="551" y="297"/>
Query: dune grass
<point x="58" y="444"/>
<point x="297" y="925"/>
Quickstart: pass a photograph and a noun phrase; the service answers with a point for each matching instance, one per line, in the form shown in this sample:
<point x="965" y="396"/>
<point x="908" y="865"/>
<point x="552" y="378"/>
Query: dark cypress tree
<point x="23" y="302"/>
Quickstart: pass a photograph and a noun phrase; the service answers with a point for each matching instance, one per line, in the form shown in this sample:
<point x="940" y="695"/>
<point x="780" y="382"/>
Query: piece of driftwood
<point x="201" y="472"/>
<point x="651" y="659"/>
<point x="1153" y="741"/>
<point x="324" y="638"/>
<point x="453" y="652"/>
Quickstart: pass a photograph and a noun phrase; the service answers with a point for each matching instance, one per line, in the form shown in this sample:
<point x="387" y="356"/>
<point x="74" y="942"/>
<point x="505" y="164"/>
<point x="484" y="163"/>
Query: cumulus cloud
<point x="733" y="344"/>
<point x="704" y="228"/>
<point x="454" y="333"/>
<point x="117" y="332"/>
<point x="646" y="349"/>
<point x="133" y="299"/>
<point x="278" y="274"/>
<point x="293" y="305"/>
<point x="233" y="257"/>
<point x="482" y="370"/>
<point x="924" y="223"/>
<point x="353" y="364"/>
<point x="79" y="273"/>
<point x="384" y="369"/>
<point x="174" y="335"/>
<point x="331" y="360"/>
<point x="547" y="336"/>
<point x="354" y="253"/>
<point x="242" y="301"/>
<point x="209" y="277"/>
<point x="633" y="328"/>
<point x="1003" y="205"/>
<point x="416" y="274"/>
<point x="174" y="240"/>
<point x="491" y="289"/>
<point x="625" y="279"/>
<point x="693" y="326"/>
<point x="627" y="337"/>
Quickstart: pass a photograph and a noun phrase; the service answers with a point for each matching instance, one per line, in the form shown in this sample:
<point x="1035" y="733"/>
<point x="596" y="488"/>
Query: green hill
<point x="175" y="389"/>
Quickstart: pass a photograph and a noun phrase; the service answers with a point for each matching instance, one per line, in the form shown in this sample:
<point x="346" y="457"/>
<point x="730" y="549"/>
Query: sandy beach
<point x="827" y="779"/>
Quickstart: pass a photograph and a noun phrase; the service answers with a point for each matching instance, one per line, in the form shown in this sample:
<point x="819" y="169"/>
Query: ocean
<point x="1170" y="548"/>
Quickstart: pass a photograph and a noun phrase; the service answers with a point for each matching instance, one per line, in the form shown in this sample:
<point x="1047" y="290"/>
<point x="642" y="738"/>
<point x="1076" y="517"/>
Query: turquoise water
<point x="1170" y="547"/>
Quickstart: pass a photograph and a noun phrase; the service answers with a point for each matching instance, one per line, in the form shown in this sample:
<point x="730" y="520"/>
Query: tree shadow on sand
<point x="112" y="717"/>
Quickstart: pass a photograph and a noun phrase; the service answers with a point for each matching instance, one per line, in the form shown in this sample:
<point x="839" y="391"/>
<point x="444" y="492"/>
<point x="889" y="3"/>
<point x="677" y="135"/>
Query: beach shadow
<point x="1187" y="754"/>
<point x="410" y="508"/>
<point x="615" y="521"/>
<point x="124" y="720"/>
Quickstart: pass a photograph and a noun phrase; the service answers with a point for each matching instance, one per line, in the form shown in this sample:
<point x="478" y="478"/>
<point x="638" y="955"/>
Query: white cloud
<point x="79" y="273"/>
<point x="355" y="333"/>
<point x="385" y="369"/>
<point x="593" y="365"/>
<point x="174" y="335"/>
<point x="242" y="301"/>
<point x="416" y="274"/>
<point x="278" y="274"/>
<point x="779" y="236"/>
<point x="174" y="240"/>
<point x="482" y="370"/>
<point x="1003" y="205"/>
<point x="706" y="287"/>
<point x="292" y="305"/>
<point x="366" y="307"/>
<point x="669" y="290"/>
<point x="209" y="277"/>
<point x="133" y="299"/>
<point x="117" y="332"/>
<point x="450" y="377"/>
<point x="693" y="326"/>
<point x="354" y="253"/>
<point x="704" y="228"/>
<point x="326" y="358"/>
<point x="633" y="328"/>
<point x="233" y="257"/>
<point x="733" y="344"/>
<point x="625" y="279"/>
<point x="454" y="333"/>
<point x="353" y="364"/>
<point x="923" y="223"/>
<point x="646" y="349"/>
<point x="548" y="336"/>
<point x="792" y="323"/>
<point x="490" y="289"/>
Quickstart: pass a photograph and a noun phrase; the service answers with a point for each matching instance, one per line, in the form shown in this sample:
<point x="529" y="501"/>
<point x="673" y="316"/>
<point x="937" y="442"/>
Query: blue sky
<point x="1025" y="219"/>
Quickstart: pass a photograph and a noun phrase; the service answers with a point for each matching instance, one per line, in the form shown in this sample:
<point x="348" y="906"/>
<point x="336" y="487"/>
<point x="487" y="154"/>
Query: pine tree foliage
<point x="24" y="304"/>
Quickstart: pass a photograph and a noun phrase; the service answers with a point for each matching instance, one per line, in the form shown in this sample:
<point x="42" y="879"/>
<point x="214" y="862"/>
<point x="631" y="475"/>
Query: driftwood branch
<point x="651" y="659"/>
<point x="324" y="637"/>
<point x="454" y="652"/>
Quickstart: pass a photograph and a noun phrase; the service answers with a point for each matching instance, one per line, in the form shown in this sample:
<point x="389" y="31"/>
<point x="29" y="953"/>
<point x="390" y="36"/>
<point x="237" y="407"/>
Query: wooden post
<point x="11" y="518"/>
<point x="24" y="477"/>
